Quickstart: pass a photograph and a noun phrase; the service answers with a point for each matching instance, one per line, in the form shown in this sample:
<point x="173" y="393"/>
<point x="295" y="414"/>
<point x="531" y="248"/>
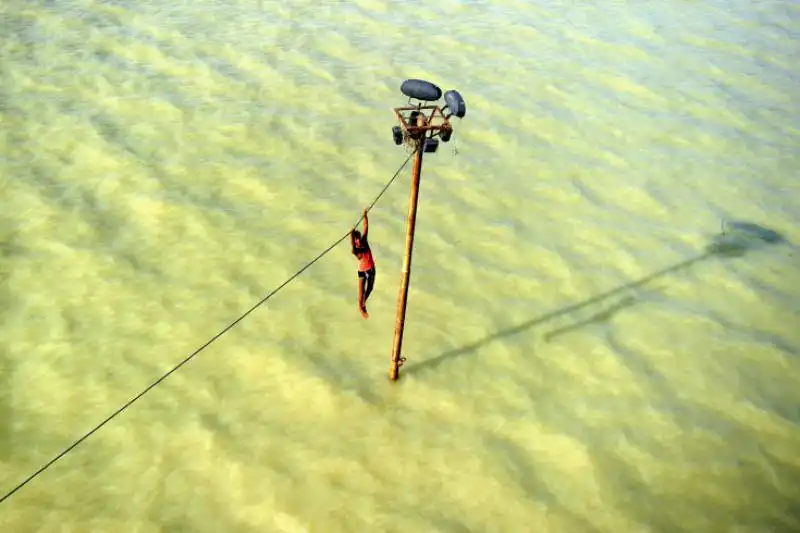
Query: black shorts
<point x="368" y="275"/>
<point x="369" y="281"/>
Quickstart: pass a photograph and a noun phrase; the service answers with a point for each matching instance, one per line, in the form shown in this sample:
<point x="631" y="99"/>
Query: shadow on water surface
<point x="710" y="495"/>
<point x="597" y="318"/>
<point x="736" y="239"/>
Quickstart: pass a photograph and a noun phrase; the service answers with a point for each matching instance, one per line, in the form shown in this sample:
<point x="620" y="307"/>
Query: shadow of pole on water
<point x="602" y="316"/>
<point x="736" y="239"/>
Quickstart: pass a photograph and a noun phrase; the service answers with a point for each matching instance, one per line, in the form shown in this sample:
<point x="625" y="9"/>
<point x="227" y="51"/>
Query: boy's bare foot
<point x="364" y="311"/>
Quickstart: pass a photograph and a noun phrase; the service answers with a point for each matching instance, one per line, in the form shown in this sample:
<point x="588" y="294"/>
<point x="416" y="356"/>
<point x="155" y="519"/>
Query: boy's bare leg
<point x="361" y="304"/>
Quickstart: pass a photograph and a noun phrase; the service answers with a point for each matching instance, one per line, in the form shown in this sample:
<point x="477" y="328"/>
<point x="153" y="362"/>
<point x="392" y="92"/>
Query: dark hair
<point x="355" y="234"/>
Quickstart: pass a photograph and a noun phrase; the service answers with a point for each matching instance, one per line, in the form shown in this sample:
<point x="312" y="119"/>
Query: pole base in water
<point x="394" y="370"/>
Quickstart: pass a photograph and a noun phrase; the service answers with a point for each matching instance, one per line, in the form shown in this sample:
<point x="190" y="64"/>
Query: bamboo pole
<point x="402" y="298"/>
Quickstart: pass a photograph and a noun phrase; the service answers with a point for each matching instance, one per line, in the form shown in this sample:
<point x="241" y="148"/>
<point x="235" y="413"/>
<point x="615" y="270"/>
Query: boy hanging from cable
<point x="366" y="265"/>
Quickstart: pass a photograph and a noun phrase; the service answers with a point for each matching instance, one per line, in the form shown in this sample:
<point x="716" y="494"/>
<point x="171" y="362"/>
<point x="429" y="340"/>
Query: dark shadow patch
<point x="738" y="238"/>
<point x="750" y="234"/>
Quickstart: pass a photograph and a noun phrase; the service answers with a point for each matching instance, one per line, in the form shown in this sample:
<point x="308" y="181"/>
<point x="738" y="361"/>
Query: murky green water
<point x="602" y="324"/>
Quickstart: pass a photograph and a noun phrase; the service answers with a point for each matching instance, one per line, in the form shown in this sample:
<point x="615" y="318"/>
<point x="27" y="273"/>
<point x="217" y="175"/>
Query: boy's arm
<point x="366" y="225"/>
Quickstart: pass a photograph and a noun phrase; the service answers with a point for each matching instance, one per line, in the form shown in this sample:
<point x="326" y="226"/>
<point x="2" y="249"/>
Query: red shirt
<point x="364" y="255"/>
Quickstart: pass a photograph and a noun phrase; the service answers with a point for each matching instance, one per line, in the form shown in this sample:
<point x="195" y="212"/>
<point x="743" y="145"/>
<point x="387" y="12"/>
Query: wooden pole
<point x="402" y="297"/>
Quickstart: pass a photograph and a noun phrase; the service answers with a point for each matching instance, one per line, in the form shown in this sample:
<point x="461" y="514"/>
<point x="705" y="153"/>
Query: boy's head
<point x="355" y="235"/>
